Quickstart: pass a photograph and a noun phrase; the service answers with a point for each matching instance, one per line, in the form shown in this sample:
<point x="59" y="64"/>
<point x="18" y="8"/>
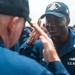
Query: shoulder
<point x="18" y="65"/>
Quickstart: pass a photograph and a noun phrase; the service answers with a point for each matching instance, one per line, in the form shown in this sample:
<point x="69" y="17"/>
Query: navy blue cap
<point x="18" y="8"/>
<point x="58" y="9"/>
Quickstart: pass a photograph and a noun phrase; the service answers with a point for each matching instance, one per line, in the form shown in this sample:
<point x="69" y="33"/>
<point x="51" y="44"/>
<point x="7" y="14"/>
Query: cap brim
<point x="52" y="13"/>
<point x="28" y="19"/>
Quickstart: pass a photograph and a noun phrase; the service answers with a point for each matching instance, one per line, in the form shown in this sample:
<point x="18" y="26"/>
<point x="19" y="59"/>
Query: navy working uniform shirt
<point x="11" y="63"/>
<point x="65" y="50"/>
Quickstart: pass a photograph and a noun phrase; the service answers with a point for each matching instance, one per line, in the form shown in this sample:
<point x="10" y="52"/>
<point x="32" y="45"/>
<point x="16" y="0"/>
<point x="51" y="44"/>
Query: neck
<point x="4" y="37"/>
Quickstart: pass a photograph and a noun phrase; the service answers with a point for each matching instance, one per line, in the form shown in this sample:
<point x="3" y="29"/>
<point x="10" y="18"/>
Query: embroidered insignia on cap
<point x="54" y="6"/>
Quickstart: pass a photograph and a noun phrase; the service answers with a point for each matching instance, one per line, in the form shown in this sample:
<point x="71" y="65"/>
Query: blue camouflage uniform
<point x="65" y="50"/>
<point x="11" y="63"/>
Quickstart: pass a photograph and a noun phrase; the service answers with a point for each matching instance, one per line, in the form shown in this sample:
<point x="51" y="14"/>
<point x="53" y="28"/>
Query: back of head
<point x="15" y="8"/>
<point x="18" y="8"/>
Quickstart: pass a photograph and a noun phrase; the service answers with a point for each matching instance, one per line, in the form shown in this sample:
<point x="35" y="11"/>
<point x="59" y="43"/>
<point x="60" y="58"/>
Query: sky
<point x="37" y="8"/>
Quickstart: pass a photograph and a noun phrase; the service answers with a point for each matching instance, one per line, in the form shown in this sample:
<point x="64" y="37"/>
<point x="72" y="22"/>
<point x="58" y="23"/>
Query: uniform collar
<point x="14" y="48"/>
<point x="2" y="43"/>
